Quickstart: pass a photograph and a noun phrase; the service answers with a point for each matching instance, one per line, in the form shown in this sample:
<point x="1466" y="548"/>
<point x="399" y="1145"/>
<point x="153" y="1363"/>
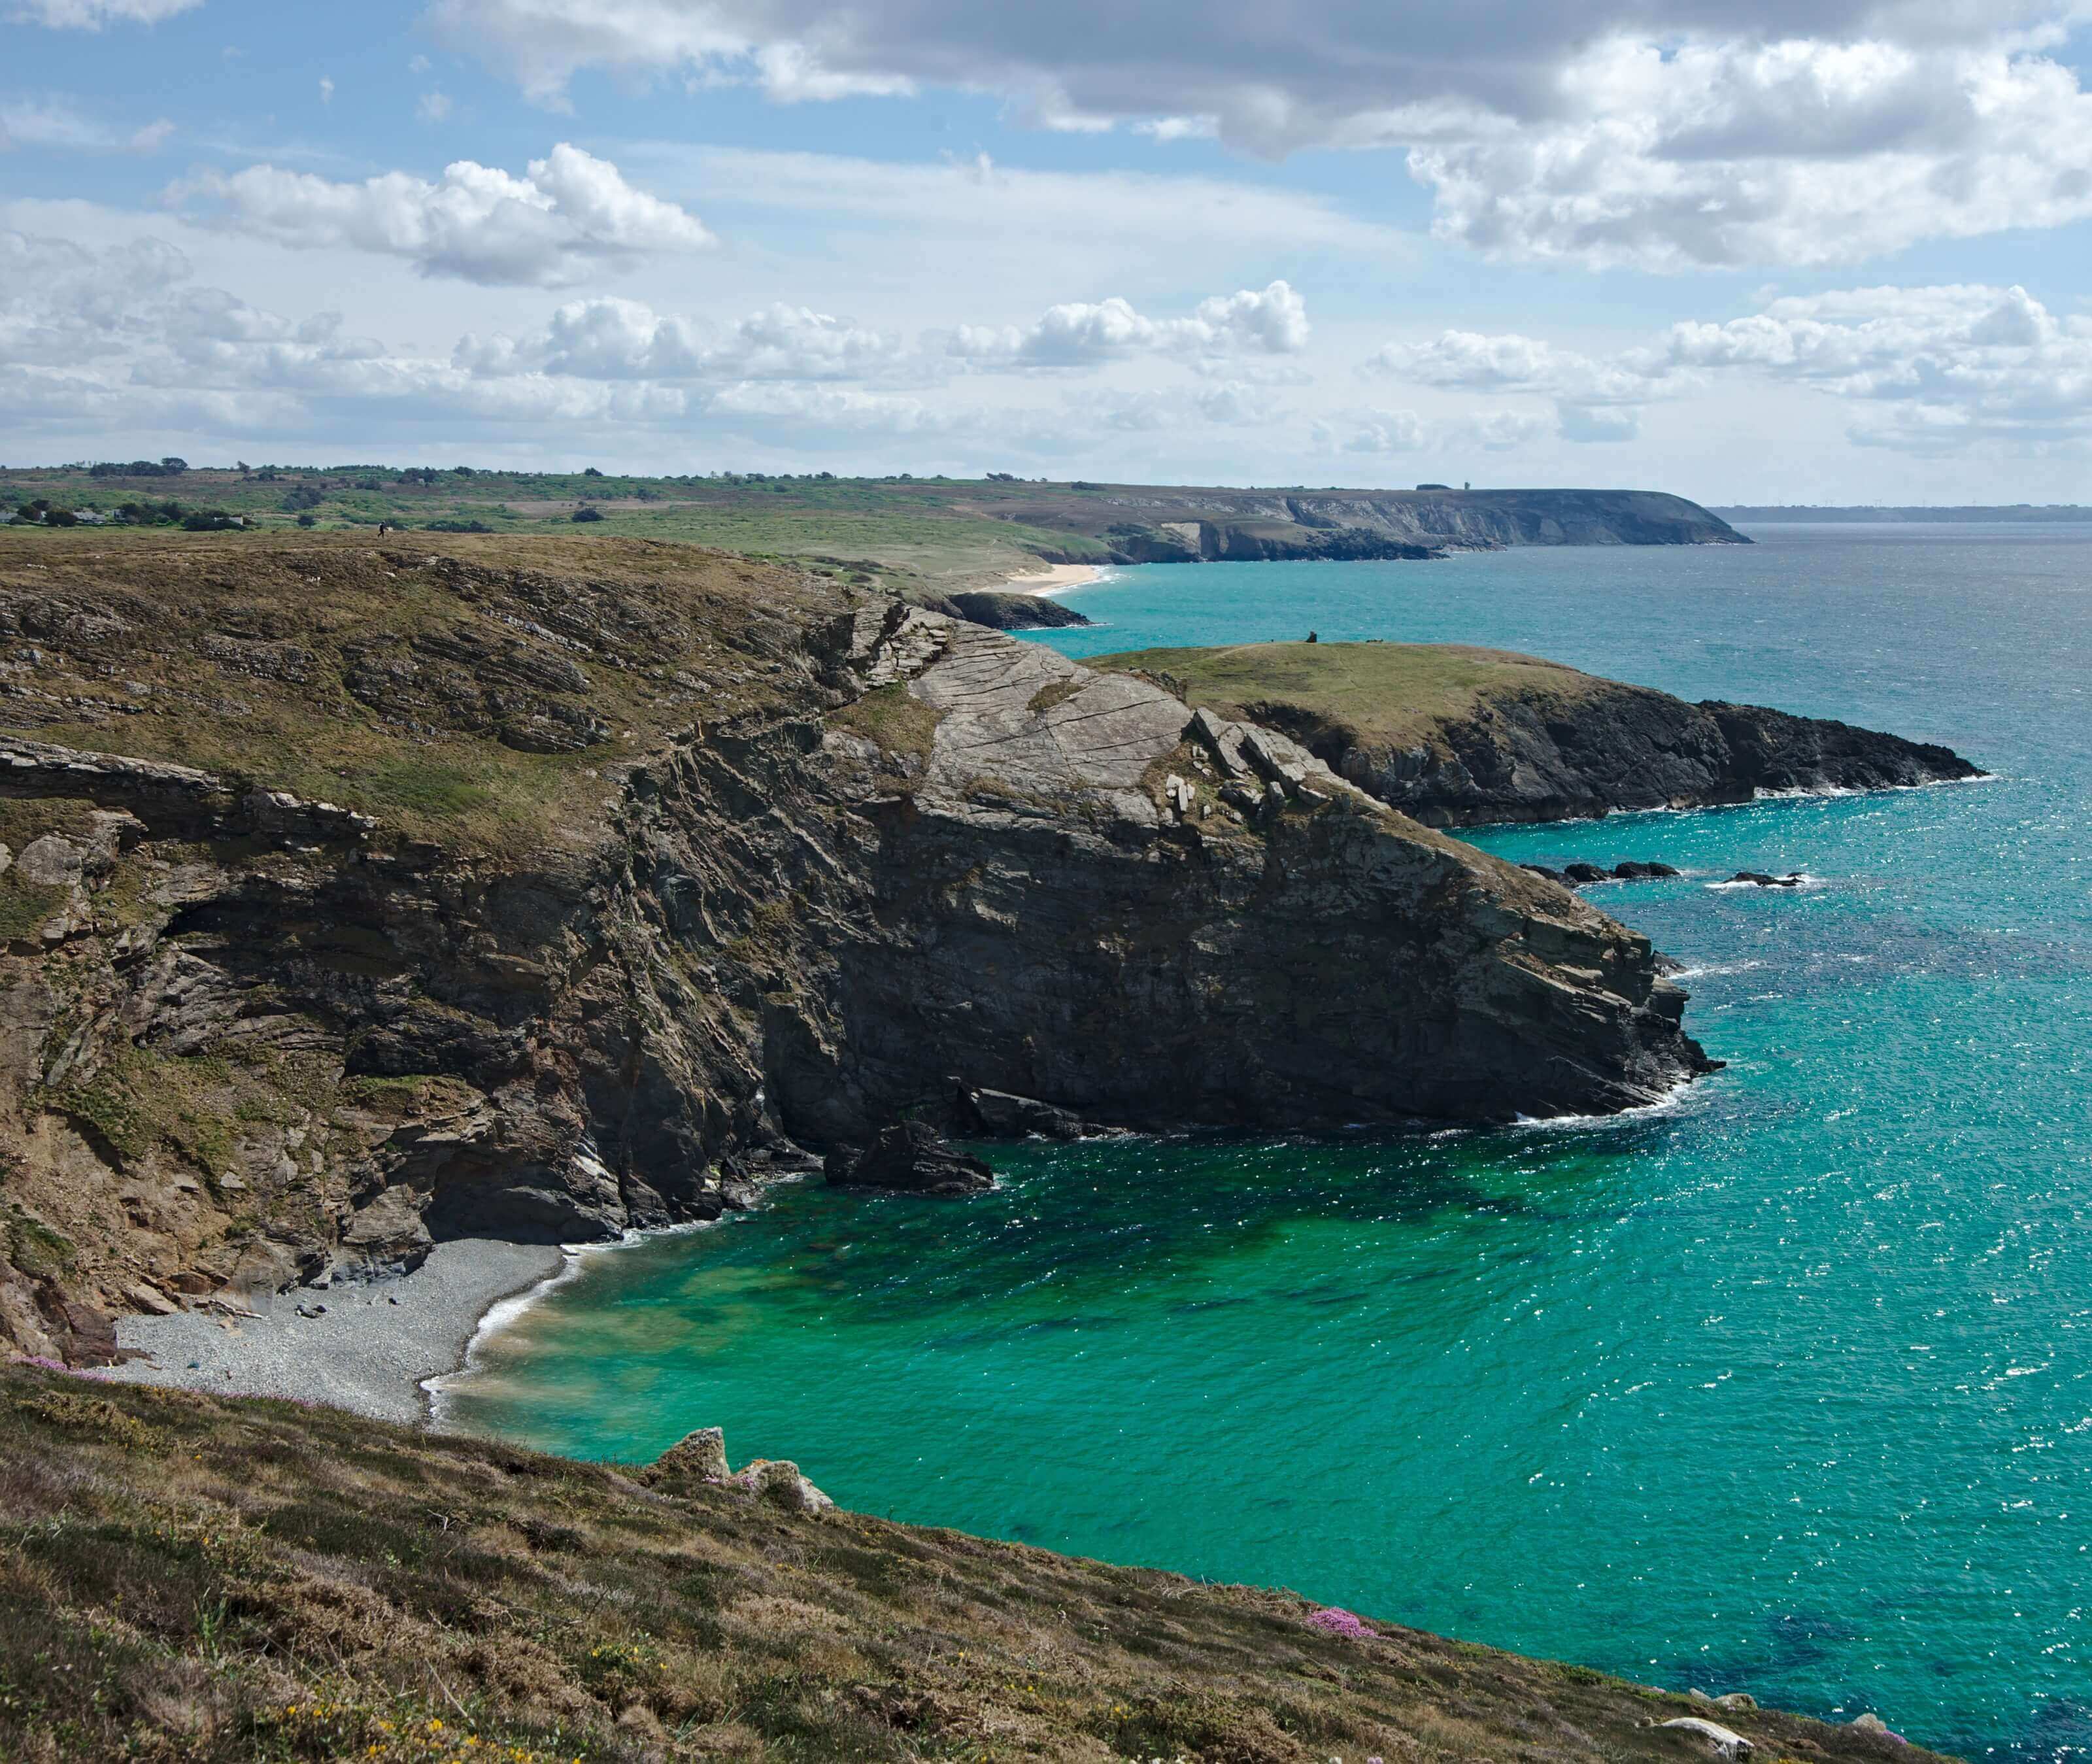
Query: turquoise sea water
<point x="1785" y="1388"/>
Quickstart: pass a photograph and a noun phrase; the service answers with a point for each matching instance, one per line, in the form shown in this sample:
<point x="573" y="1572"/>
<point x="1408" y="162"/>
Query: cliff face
<point x="872" y="857"/>
<point x="1145" y="524"/>
<point x="1459" y="737"/>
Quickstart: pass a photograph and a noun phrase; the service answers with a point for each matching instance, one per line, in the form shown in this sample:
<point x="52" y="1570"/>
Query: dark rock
<point x="911" y="1158"/>
<point x="996" y="1114"/>
<point x="1765" y="881"/>
<point x="1633" y="871"/>
<point x="999" y="611"/>
<point x="1534" y="756"/>
<point x="1545" y="869"/>
<point x="1585" y="872"/>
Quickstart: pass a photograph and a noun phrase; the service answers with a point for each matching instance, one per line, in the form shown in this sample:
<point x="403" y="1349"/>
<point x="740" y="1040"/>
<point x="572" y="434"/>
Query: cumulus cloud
<point x="609" y="339"/>
<point x="571" y="215"/>
<point x="1406" y="431"/>
<point x="92" y="15"/>
<point x="1796" y="152"/>
<point x="1929" y="369"/>
<point x="1594" y="400"/>
<point x="1662" y="134"/>
<point x="1082" y="333"/>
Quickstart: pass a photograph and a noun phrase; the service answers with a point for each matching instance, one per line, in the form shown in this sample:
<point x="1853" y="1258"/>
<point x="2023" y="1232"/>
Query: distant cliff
<point x="1456" y="737"/>
<point x="1154" y="524"/>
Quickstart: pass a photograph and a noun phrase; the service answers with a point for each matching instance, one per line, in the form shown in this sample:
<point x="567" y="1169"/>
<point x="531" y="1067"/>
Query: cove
<point x="1783" y="1388"/>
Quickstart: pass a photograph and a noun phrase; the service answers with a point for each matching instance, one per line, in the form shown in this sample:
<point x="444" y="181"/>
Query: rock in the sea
<point x="1547" y="870"/>
<point x="1585" y="872"/>
<point x="996" y="1114"/>
<point x="1765" y="881"/>
<point x="910" y="1157"/>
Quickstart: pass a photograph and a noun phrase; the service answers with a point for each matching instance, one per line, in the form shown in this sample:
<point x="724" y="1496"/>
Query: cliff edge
<point x="1460" y="737"/>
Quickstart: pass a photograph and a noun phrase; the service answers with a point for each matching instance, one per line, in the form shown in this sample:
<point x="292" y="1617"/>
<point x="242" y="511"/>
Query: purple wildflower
<point x="1342" y="1623"/>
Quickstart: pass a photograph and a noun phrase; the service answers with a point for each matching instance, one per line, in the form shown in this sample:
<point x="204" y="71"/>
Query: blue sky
<point x="1830" y="253"/>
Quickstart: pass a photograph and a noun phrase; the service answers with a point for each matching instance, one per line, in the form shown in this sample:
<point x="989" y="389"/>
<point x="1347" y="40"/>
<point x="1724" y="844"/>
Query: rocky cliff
<point x="1146" y="524"/>
<point x="537" y="890"/>
<point x="1457" y="737"/>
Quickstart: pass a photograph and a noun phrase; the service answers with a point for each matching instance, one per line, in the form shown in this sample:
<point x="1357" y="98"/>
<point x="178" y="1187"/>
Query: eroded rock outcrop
<point x="874" y="862"/>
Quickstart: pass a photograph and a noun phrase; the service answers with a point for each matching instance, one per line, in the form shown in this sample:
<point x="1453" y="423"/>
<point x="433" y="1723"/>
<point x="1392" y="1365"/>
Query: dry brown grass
<point x="346" y="669"/>
<point x="186" y="1578"/>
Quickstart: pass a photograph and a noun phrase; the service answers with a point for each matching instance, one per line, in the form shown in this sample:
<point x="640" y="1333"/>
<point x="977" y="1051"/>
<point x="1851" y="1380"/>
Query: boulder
<point x="997" y="1114"/>
<point x="698" y="1457"/>
<point x="778" y="1482"/>
<point x="1585" y="872"/>
<point x="1726" y="1745"/>
<point x="1765" y="881"/>
<point x="1633" y="871"/>
<point x="910" y="1157"/>
<point x="1547" y="870"/>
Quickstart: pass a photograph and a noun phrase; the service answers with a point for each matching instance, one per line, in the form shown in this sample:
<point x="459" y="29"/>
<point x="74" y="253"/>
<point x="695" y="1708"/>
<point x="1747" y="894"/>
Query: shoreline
<point x="371" y="1348"/>
<point x="1049" y="579"/>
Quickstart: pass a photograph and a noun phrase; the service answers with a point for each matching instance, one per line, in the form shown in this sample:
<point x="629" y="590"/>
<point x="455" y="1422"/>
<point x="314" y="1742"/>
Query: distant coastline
<point x="1772" y="513"/>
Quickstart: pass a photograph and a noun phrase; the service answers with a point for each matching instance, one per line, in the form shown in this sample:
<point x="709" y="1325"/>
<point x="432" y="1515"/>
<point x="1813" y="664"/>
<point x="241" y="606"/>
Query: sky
<point x="1744" y="250"/>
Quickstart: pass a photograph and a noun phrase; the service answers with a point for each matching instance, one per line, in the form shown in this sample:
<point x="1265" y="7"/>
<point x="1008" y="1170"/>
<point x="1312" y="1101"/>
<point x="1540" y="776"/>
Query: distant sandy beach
<point x="1055" y="578"/>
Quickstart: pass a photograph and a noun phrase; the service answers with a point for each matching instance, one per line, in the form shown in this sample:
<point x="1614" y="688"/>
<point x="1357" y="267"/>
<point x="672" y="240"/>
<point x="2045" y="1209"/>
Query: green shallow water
<point x="1783" y="1388"/>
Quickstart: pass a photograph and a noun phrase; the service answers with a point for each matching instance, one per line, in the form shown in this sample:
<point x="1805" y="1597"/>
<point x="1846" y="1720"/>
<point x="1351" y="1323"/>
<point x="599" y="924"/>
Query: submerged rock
<point x="1759" y="877"/>
<point x="910" y="1157"/>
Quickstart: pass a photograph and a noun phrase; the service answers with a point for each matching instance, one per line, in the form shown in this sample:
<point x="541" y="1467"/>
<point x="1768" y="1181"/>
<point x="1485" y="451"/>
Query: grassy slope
<point x="935" y="536"/>
<point x="189" y="1578"/>
<point x="1392" y="695"/>
<point x="177" y="697"/>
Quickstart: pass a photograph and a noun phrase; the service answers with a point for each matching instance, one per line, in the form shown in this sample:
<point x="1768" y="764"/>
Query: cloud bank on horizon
<point x="1762" y="251"/>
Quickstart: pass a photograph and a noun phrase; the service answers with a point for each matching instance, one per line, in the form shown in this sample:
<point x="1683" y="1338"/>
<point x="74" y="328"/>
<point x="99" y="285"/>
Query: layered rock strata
<point x="248" y="1036"/>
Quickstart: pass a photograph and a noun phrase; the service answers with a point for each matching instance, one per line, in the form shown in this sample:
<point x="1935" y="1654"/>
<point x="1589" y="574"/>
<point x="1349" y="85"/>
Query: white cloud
<point x="573" y="213"/>
<point x="1082" y="333"/>
<point x="1794" y="153"/>
<point x="1594" y="400"/>
<point x="609" y="339"/>
<point x="432" y="106"/>
<point x="1662" y="134"/>
<point x="1407" y="432"/>
<point x="1929" y="369"/>
<point x="326" y="90"/>
<point x="52" y="121"/>
<point x="92" y="15"/>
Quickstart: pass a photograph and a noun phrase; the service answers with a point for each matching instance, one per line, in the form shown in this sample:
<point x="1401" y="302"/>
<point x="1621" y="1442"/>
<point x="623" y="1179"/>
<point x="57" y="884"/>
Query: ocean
<point x="1784" y="1387"/>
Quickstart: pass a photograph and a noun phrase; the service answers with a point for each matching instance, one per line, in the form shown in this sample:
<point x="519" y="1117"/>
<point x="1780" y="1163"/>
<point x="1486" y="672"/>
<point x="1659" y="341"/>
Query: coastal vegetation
<point x="206" y="1579"/>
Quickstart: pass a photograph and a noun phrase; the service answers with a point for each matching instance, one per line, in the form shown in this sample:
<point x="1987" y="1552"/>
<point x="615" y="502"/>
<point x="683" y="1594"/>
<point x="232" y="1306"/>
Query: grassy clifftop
<point x="1377" y="694"/>
<point x="472" y="690"/>
<point x="188" y="1578"/>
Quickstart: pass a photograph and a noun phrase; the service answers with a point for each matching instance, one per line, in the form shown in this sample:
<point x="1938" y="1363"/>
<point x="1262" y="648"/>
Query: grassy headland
<point x="1389" y="695"/>
<point x="203" y="1580"/>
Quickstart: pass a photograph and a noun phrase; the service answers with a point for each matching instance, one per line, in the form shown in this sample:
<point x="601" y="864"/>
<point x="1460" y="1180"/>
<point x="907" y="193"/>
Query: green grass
<point x="892" y="716"/>
<point x="181" y="613"/>
<point x="1392" y="695"/>
<point x="211" y="1580"/>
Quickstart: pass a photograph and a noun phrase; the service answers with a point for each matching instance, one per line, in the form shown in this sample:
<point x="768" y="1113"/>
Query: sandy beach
<point x="367" y="1350"/>
<point x="1055" y="578"/>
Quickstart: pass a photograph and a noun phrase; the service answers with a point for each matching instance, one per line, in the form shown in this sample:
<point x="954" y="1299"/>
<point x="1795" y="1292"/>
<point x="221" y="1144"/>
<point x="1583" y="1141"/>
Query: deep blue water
<point x="1785" y="1389"/>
